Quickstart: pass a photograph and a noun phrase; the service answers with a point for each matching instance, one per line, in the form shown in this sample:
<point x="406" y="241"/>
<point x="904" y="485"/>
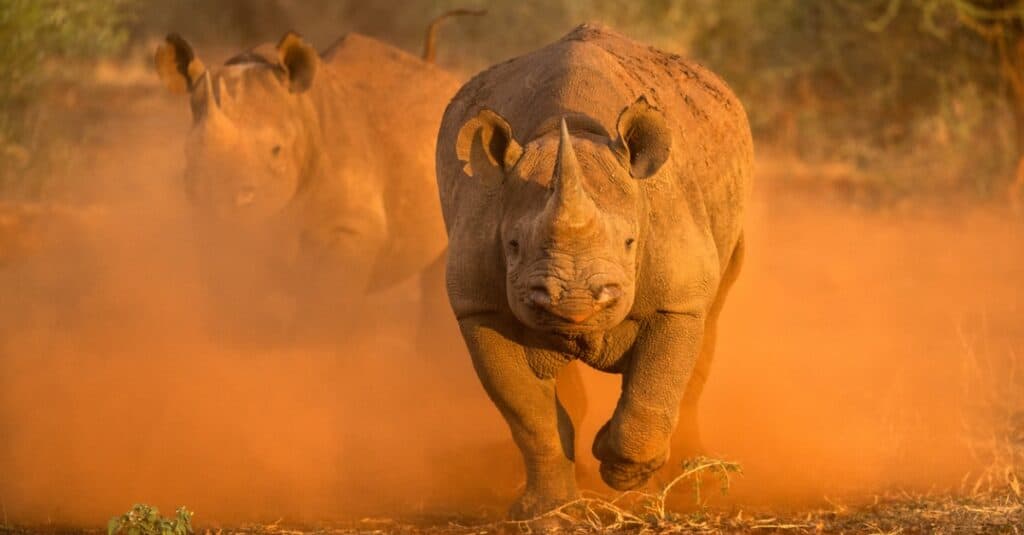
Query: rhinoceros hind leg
<point x="686" y="441"/>
<point x="571" y="393"/>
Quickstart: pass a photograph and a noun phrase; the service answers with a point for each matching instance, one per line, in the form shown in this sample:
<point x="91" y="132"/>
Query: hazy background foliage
<point x="909" y="95"/>
<point x="35" y="35"/>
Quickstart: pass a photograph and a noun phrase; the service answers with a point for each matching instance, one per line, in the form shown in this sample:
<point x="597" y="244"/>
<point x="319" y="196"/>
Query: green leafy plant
<point x="145" y="519"/>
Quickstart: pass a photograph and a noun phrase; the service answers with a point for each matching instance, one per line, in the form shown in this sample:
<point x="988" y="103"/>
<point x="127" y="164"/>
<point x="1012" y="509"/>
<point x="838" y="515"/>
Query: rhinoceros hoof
<point x="621" y="473"/>
<point x="532" y="505"/>
<point x="628" y="475"/>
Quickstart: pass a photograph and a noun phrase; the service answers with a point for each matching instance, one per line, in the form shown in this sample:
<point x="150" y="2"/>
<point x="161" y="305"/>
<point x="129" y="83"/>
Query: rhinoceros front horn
<point x="570" y="208"/>
<point x="204" y="100"/>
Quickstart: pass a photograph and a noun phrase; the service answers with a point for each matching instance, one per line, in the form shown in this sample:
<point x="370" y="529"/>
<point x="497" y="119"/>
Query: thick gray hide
<point x="610" y="238"/>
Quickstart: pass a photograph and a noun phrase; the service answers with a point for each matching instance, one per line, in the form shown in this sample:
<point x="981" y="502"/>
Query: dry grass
<point x="995" y="509"/>
<point x="999" y="512"/>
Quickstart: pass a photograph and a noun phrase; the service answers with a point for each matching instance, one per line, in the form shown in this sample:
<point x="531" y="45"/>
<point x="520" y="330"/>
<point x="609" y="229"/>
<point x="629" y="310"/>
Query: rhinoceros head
<point x="246" y="151"/>
<point x="572" y="214"/>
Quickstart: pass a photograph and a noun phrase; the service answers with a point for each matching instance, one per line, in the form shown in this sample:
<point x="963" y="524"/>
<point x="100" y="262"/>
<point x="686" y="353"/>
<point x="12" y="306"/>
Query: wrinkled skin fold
<point x="593" y="192"/>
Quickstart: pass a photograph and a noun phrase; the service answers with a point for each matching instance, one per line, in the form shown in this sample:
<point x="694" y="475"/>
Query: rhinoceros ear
<point x="645" y="137"/>
<point x="299" y="60"/>
<point x="177" y="65"/>
<point x="486" y="142"/>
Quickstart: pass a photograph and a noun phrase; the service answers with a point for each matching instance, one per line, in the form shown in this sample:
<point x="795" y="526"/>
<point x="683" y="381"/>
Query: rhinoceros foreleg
<point x="540" y="425"/>
<point x="573" y="397"/>
<point x="635" y="442"/>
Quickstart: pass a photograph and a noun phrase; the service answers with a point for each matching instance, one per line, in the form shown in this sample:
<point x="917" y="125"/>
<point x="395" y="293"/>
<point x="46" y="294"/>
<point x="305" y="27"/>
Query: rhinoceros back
<point x="401" y="100"/>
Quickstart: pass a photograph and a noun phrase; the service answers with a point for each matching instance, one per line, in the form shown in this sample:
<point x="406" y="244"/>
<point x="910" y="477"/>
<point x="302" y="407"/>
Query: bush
<point x="145" y="519"/>
<point x="37" y="33"/>
<point x="903" y="90"/>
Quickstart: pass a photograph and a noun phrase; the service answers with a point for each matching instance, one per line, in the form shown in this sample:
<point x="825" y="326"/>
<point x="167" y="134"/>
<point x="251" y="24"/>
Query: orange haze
<point x="842" y="369"/>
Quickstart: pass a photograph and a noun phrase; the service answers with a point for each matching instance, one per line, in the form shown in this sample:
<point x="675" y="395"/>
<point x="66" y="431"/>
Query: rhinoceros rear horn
<point x="299" y="60"/>
<point x="645" y="136"/>
<point x="485" y="143"/>
<point x="177" y="65"/>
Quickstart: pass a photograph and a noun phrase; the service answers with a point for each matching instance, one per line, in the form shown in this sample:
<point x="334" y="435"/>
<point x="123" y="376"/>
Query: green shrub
<point x="37" y="33"/>
<point x="145" y="519"/>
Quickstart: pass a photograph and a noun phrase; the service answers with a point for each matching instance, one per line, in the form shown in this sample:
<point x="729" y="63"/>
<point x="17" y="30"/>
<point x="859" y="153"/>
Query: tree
<point x="871" y="82"/>
<point x="1001" y="23"/>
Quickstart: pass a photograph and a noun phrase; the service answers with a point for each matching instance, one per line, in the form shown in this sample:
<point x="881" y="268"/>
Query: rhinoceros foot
<point x="619" y="472"/>
<point x="532" y="505"/>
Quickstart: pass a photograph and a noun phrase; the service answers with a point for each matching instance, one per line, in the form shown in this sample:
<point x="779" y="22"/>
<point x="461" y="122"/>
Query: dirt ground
<point x="869" y="376"/>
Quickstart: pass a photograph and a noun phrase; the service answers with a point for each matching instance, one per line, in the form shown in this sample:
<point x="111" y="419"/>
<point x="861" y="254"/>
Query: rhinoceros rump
<point x="331" y="154"/>
<point x="592" y="192"/>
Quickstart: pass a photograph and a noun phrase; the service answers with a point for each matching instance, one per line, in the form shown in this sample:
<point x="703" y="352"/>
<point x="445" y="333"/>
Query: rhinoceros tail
<point x="430" y="45"/>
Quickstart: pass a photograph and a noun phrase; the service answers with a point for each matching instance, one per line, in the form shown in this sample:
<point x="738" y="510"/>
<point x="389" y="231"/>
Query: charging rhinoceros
<point x="332" y="155"/>
<point x="593" y="192"/>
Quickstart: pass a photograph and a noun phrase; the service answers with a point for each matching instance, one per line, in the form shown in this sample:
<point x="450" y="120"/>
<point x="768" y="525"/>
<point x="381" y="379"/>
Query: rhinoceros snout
<point x="574" y="305"/>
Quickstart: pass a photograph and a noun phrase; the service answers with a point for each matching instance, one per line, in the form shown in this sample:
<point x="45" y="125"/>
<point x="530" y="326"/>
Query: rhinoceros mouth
<point x="570" y="319"/>
<point x="567" y="329"/>
<point x="573" y="315"/>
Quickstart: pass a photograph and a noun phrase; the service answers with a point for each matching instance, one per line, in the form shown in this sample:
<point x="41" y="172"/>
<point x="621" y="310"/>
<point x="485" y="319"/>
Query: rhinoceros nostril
<point x="539" y="296"/>
<point x="608" y="294"/>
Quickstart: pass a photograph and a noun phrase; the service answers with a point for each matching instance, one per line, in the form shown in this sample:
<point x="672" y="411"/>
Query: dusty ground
<point x="869" y="375"/>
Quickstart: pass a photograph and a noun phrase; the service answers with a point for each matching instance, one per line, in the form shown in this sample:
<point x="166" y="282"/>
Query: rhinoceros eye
<point x="629" y="243"/>
<point x="276" y="150"/>
<point x="513" y="245"/>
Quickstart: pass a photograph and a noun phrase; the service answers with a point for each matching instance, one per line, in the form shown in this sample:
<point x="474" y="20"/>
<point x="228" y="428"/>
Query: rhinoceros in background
<point x="593" y="192"/>
<point x="331" y="154"/>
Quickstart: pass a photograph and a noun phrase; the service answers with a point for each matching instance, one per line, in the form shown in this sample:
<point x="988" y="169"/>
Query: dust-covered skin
<point x="332" y="154"/>
<point x="593" y="192"/>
